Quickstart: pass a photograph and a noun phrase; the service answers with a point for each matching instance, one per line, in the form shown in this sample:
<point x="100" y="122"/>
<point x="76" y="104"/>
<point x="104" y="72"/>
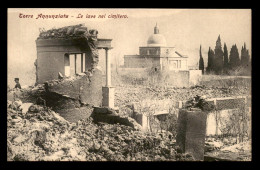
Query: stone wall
<point x="226" y="82"/>
<point x="178" y="78"/>
<point x="133" y="61"/>
<point x="74" y="98"/>
<point x="228" y="115"/>
<point x="138" y="72"/>
<point x="49" y="64"/>
<point x="84" y="89"/>
<point x="50" y="57"/>
<point x="138" y="61"/>
<point x="191" y="127"/>
<point x="232" y="113"/>
<point x="195" y="77"/>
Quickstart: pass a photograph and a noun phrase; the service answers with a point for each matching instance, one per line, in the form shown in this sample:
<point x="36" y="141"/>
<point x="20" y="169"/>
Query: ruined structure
<point x="67" y="60"/>
<point x="68" y="50"/>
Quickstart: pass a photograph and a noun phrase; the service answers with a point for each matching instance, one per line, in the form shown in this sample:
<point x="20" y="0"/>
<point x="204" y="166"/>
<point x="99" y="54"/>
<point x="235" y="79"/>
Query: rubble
<point x="231" y="152"/>
<point x="43" y="135"/>
<point x="64" y="32"/>
<point x="37" y="133"/>
<point x="125" y="94"/>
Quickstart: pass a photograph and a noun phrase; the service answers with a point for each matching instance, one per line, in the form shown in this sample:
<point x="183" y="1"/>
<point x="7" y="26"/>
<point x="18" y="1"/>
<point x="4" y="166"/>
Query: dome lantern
<point x="156" y="29"/>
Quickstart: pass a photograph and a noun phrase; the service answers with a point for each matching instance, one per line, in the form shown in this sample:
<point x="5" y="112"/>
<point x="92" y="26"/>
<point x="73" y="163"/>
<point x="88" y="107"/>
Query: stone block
<point x="75" y="114"/>
<point x="191" y="132"/>
<point x="108" y="94"/>
<point x="108" y="115"/>
<point x="104" y="110"/>
<point x="81" y="90"/>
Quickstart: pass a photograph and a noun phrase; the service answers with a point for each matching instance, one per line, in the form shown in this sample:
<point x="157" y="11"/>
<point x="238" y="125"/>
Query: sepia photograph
<point x="129" y="84"/>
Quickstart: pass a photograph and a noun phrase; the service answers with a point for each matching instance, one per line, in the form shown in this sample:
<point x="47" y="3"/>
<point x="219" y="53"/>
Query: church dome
<point x="156" y="39"/>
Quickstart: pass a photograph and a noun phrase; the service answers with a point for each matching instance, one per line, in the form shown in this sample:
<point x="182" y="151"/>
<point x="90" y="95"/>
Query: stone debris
<point x="25" y="107"/>
<point x="228" y="150"/>
<point x="213" y="144"/>
<point x="64" y="32"/>
<point x="37" y="133"/>
<point x="43" y="135"/>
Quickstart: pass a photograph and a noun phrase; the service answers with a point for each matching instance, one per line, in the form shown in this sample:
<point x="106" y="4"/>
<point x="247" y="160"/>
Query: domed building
<point x="156" y="40"/>
<point x="157" y="54"/>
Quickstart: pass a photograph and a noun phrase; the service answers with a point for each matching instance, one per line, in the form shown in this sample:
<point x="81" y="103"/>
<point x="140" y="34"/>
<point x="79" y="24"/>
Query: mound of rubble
<point x="36" y="133"/>
<point x="125" y="94"/>
<point x="228" y="149"/>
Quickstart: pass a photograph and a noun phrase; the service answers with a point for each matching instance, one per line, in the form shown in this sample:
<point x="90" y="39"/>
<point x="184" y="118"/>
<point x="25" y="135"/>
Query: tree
<point x="244" y="56"/>
<point x="234" y="61"/>
<point x="225" y="65"/>
<point x="201" y="62"/>
<point x="218" y="61"/>
<point x="210" y="60"/>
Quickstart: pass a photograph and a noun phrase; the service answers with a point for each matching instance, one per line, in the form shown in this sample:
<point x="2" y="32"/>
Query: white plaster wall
<point x="195" y="77"/>
<point x="224" y="119"/>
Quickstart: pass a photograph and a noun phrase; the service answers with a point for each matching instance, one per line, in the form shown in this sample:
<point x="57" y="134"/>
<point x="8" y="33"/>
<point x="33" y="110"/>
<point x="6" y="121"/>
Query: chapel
<point x="157" y="54"/>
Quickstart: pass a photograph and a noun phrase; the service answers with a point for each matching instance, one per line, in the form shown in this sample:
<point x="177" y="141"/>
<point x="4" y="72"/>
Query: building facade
<point x="161" y="57"/>
<point x="157" y="54"/>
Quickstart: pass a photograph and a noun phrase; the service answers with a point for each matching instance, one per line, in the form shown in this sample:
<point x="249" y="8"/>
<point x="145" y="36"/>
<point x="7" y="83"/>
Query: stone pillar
<point x="108" y="92"/>
<point x="108" y="68"/>
<point x="191" y="132"/>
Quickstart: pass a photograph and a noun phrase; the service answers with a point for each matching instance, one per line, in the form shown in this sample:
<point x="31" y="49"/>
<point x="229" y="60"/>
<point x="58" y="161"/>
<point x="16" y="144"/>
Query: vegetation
<point x="220" y="63"/>
<point x="201" y="62"/>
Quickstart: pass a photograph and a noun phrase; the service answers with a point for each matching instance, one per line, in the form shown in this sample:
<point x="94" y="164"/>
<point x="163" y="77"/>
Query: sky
<point x="184" y="29"/>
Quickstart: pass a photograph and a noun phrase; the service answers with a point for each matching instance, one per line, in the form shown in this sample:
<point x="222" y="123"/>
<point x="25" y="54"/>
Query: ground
<point x="42" y="134"/>
<point x="127" y="94"/>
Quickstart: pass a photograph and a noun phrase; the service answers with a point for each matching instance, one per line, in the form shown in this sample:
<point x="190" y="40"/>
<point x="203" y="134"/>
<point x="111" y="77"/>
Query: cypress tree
<point x="234" y="60"/>
<point x="244" y="56"/>
<point x="210" y="60"/>
<point x="218" y="59"/>
<point x="201" y="62"/>
<point x="225" y="65"/>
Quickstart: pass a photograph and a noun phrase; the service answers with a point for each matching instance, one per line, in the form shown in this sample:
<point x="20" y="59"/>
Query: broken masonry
<point x="67" y="60"/>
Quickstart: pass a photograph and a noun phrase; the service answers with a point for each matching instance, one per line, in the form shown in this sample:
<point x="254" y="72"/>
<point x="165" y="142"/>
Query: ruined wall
<point x="80" y="91"/>
<point x="50" y="57"/>
<point x="233" y="114"/>
<point x="231" y="118"/>
<point x="49" y="64"/>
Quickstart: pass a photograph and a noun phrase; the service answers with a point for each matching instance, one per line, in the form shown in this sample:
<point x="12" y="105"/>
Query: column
<point x="108" y="68"/>
<point x="108" y="92"/>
